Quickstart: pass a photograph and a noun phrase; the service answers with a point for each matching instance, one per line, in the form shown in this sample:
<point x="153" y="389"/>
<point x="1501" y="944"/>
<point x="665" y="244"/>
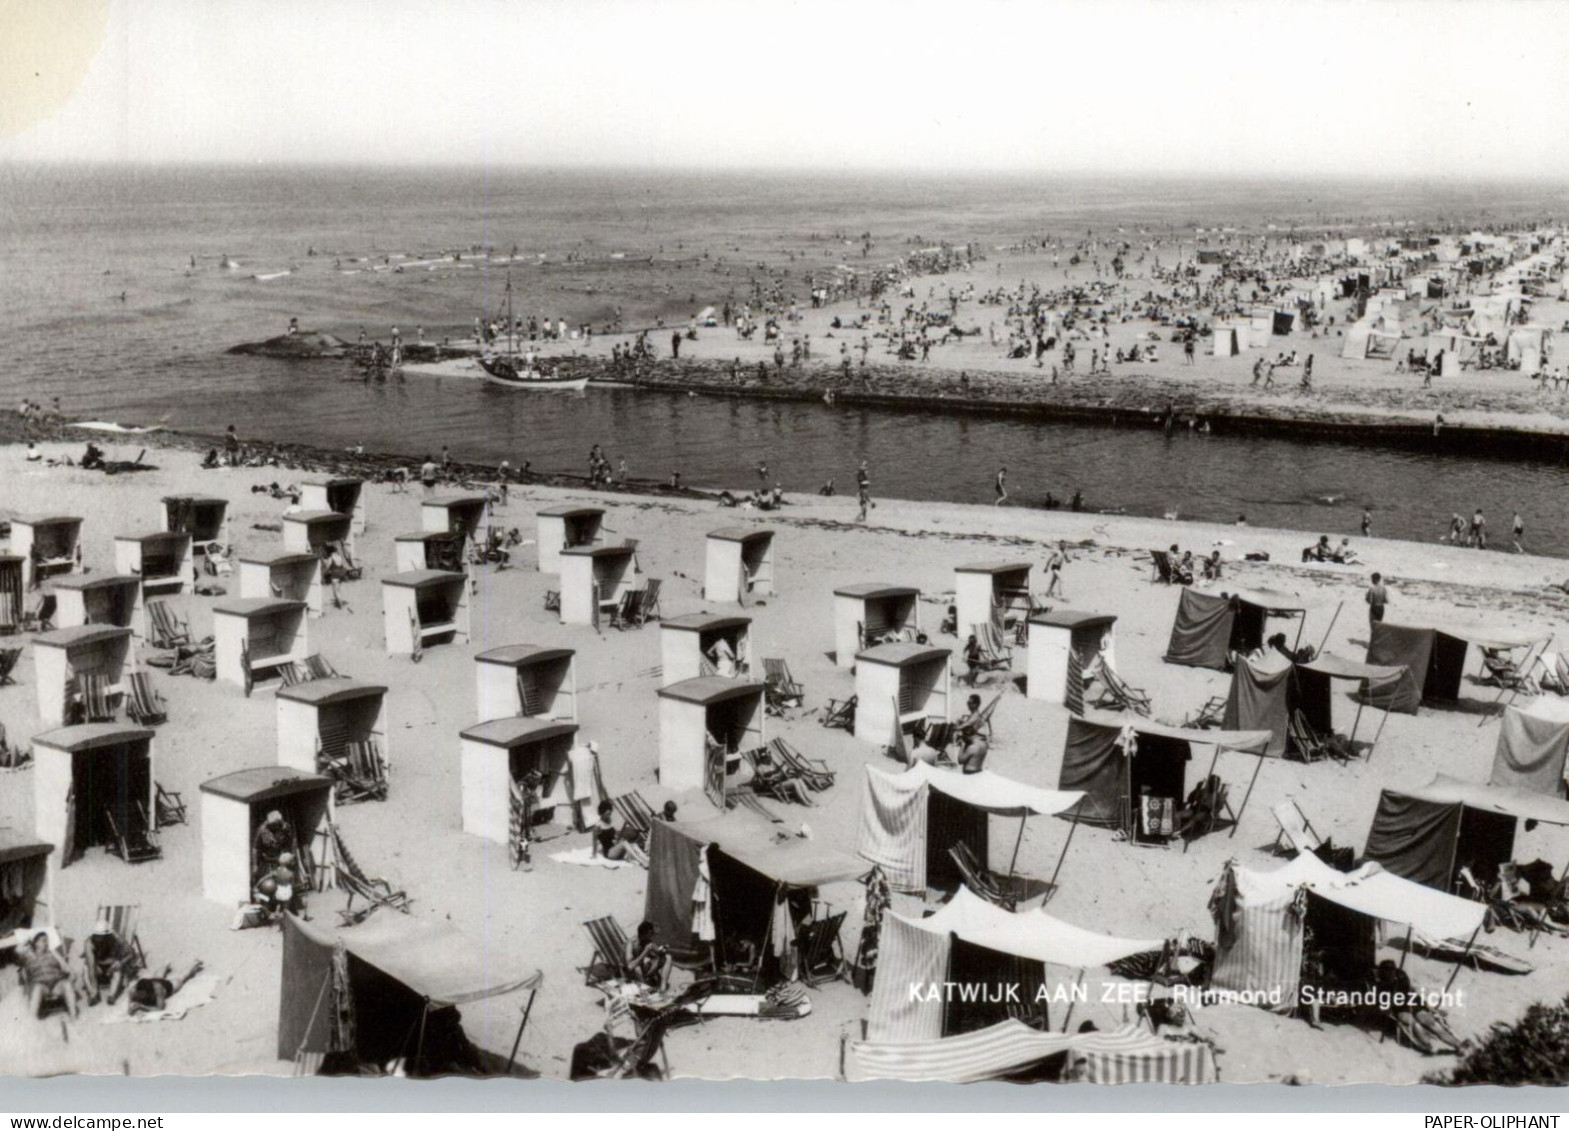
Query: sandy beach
<point x="534" y="916"/>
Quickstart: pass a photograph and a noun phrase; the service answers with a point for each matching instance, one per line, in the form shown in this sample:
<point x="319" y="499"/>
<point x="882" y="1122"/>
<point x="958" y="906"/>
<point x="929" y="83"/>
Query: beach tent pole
<point x="1351" y="739"/>
<point x="1327" y="631"/>
<point x="419" y="1048"/>
<point x="523" y="1024"/>
<point x="1456" y="972"/>
<point x="1380" y="729"/>
<point x="1016" y="843"/>
<point x="1243" y="808"/>
<point x="1407" y="950"/>
<point x="1063" y="855"/>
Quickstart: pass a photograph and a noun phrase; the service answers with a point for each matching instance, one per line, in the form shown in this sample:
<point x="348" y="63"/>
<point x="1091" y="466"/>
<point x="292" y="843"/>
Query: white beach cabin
<point x="562" y="528"/>
<point x="26" y="886"/>
<point x="740" y="564"/>
<point x="454" y="514"/>
<point x="701" y="644"/>
<point x="61" y="657"/>
<point x="872" y="613"/>
<point x="204" y="517"/>
<point x="288" y="577"/>
<point x="1057" y="635"/>
<point x="163" y="561"/>
<point x="341" y="494"/>
<point x="311" y="532"/>
<point x="501" y="751"/>
<point x="910" y="679"/>
<point x="88" y="782"/>
<point x="235" y="806"/>
<point x="422" y="606"/>
<point x="49" y="546"/>
<point x="428" y="549"/>
<point x="526" y="680"/>
<point x="256" y="636"/>
<point x="726" y="713"/>
<point x="593" y="581"/>
<point x="317" y="719"/>
<point x="982" y="586"/>
<point x="104" y="599"/>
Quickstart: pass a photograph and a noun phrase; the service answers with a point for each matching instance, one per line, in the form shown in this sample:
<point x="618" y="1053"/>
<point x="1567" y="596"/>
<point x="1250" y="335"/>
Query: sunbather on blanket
<point x="609" y="841"/>
<point x="150" y="995"/>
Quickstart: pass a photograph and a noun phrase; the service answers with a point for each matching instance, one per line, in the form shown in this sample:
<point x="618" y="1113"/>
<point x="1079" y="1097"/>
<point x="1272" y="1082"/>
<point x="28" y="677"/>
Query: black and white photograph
<point x="839" y="542"/>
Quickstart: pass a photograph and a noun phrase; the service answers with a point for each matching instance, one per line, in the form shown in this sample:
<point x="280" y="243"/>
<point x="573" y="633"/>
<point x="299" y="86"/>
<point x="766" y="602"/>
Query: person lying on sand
<point x="150" y="995"/>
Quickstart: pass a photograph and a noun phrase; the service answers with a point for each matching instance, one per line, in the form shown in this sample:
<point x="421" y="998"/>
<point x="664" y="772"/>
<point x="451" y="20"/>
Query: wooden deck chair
<point x="1550" y="671"/>
<point x="291" y="674"/>
<point x="165" y="630"/>
<point x="1296" y="831"/>
<point x="813" y="771"/>
<point x="40" y="618"/>
<point x="771" y="779"/>
<point x="168" y="807"/>
<point x="610" y="952"/>
<point x="821" y="952"/>
<point x="361" y="775"/>
<point x="135" y="839"/>
<point x="1117" y="695"/>
<point x="1004" y="891"/>
<point x="92" y="696"/>
<point x="142" y="701"/>
<point x="317" y="666"/>
<point x="840" y="713"/>
<point x="373" y="891"/>
<point x="1161" y="560"/>
<point x="1212" y="804"/>
<point x="780" y="688"/>
<point x="995" y="654"/>
<point x="121" y="918"/>
<point x="635" y="813"/>
<point x="624" y="615"/>
<point x="8" y="659"/>
<point x="746" y="799"/>
<point x="1503" y="671"/>
<point x="552" y="600"/>
<point x="1309" y="744"/>
<point x="648" y="604"/>
<point x="1211" y="714"/>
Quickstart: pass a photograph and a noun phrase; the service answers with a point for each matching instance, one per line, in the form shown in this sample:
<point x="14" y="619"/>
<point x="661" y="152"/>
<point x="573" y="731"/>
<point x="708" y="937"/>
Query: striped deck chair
<point x="635" y="813"/>
<point x="611" y="946"/>
<point x="373" y="891"/>
<point x="290" y="674"/>
<point x="780" y="688"/>
<point x="822" y="954"/>
<point x="627" y="613"/>
<point x="995" y="654"/>
<point x="135" y="840"/>
<point x="1117" y="695"/>
<point x="164" y="629"/>
<point x="92" y="697"/>
<point x="1308" y="744"/>
<point x="1211" y="714"/>
<point x="8" y="659"/>
<point x="1073" y="698"/>
<point x="1296" y="831"/>
<point x="771" y="779"/>
<point x="363" y="774"/>
<point x="814" y="772"/>
<point x="168" y="807"/>
<point x="1161" y="560"/>
<point x="142" y="701"/>
<point x="121" y="918"/>
<point x="1004" y="891"/>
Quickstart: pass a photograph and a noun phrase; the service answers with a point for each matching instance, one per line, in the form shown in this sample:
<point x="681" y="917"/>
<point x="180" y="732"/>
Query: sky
<point x="1427" y="89"/>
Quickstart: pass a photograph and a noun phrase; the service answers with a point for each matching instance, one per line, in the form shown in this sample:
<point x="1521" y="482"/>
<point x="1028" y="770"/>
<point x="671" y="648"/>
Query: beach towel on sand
<point x="193" y="995"/>
<point x="584" y="857"/>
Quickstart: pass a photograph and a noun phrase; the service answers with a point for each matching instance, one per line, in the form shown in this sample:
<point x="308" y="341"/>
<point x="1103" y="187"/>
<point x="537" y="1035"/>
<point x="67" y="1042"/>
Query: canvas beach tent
<point x="1532" y="741"/>
<point x="1012" y="1050"/>
<point x="1434" y="658"/>
<point x="909" y="820"/>
<point x="968" y="941"/>
<point x="1117" y="760"/>
<point x="731" y="887"/>
<point x="1261" y="919"/>
<point x="1266" y="693"/>
<point x="389" y="989"/>
<point x="1209" y="627"/>
<point x="1428" y="835"/>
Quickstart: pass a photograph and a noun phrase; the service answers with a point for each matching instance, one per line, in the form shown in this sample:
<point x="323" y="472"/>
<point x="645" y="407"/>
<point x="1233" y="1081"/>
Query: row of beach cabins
<point x="95" y="779"/>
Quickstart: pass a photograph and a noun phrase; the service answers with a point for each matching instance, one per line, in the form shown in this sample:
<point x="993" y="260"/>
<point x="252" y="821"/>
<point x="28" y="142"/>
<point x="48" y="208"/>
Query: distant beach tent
<point x="1429" y="834"/>
<point x="401" y="978"/>
<point x="1209" y="627"/>
<point x="1434" y="658"/>
<point x="752" y="879"/>
<point x="1528" y="346"/>
<point x="1262" y="918"/>
<point x="1097" y="759"/>
<point x="1228" y="341"/>
<point x="1531" y="746"/>
<point x="910" y="820"/>
<point x="1265" y="694"/>
<point x="970" y="942"/>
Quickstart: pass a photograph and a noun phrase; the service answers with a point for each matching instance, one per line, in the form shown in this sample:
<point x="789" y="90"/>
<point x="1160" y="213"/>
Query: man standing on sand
<point x="1377" y="597"/>
<point x="675" y="345"/>
<point x="1367" y="523"/>
<point x="1478" y="535"/>
<point x="427" y="475"/>
<point x="1518" y="530"/>
<point x="1002" y="487"/>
